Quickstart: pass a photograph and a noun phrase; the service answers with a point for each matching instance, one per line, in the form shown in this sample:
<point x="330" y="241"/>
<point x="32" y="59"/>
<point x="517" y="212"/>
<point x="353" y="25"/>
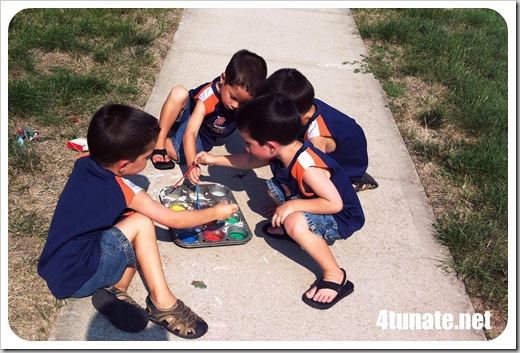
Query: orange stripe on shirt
<point x="208" y="97"/>
<point x="305" y="160"/>
<point x="127" y="190"/>
<point x="317" y="128"/>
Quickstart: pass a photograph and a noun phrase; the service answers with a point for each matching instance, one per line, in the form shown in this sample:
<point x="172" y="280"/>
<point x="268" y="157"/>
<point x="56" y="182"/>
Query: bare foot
<point x="325" y="295"/>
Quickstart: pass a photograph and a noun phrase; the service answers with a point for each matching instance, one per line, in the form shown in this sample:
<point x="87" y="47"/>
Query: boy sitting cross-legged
<point x="103" y="228"/>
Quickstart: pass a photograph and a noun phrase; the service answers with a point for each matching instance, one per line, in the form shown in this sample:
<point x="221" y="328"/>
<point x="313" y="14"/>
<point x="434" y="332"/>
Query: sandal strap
<point x="331" y="285"/>
<point x="181" y="316"/>
<point x="162" y="152"/>
<point x="122" y="295"/>
<point x="367" y="182"/>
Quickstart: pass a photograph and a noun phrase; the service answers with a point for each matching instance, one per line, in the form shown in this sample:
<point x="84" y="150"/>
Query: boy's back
<point x="92" y="201"/>
<point x="351" y="144"/>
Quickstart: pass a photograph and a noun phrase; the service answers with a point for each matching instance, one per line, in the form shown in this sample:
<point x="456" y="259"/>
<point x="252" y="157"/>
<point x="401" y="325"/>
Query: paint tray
<point x="232" y="231"/>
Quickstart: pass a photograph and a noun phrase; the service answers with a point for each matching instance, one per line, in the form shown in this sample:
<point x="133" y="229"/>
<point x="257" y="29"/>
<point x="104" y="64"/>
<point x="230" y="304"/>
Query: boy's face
<point x="234" y="97"/>
<point x="253" y="147"/>
<point x="139" y="163"/>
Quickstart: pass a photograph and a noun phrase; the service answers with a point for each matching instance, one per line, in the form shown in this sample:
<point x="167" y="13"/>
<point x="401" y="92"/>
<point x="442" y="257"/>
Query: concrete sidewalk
<point x="254" y="290"/>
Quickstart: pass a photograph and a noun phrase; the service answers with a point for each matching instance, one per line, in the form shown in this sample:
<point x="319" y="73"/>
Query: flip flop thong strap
<point x="331" y="285"/>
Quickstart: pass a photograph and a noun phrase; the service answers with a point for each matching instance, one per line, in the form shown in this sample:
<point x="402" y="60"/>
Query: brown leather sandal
<point x="179" y="319"/>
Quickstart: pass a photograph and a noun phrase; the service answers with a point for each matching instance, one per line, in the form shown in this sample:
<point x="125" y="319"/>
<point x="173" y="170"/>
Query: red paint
<point x="213" y="235"/>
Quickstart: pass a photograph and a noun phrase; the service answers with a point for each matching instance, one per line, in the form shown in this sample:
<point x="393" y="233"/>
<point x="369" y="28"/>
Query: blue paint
<point x="188" y="237"/>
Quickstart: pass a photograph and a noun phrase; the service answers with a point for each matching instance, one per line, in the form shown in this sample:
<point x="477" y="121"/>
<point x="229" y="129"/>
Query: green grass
<point x="64" y="64"/>
<point x="107" y="47"/>
<point x="465" y="51"/>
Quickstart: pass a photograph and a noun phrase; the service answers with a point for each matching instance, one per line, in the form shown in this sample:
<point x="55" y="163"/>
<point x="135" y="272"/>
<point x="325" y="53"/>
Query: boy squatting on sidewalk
<point x="317" y="203"/>
<point x="329" y="130"/>
<point x="103" y="228"/>
<point x="191" y="121"/>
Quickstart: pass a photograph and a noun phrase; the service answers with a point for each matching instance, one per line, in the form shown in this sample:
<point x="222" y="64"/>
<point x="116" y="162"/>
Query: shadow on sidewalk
<point x="290" y="249"/>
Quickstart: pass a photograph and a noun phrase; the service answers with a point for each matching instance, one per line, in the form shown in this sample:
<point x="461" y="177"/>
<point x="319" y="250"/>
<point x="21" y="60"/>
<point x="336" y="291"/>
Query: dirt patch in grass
<point x="44" y="62"/>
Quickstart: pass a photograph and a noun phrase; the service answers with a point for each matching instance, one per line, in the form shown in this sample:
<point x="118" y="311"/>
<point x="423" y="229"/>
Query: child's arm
<point x="190" y="136"/>
<point x="328" y="199"/>
<point x="144" y="204"/>
<point x="238" y="160"/>
<point x="324" y="143"/>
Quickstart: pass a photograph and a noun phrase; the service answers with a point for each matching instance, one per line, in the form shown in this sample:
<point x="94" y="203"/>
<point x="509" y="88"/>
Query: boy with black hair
<point x="317" y="203"/>
<point x="103" y="228"/>
<point x="330" y="130"/>
<point x="191" y="121"/>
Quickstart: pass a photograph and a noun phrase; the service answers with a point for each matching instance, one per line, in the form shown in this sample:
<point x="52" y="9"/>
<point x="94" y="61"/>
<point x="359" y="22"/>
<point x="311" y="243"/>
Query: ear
<point x="223" y="78"/>
<point x="273" y="146"/>
<point x="122" y="165"/>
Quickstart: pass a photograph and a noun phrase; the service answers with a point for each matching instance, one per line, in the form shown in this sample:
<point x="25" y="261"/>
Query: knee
<point x="135" y="225"/>
<point x="141" y="222"/>
<point x="179" y="94"/>
<point x="295" y="224"/>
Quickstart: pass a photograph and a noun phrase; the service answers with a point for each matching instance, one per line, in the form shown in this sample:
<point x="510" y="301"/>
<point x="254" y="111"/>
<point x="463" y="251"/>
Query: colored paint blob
<point x="177" y="208"/>
<point x="213" y="235"/>
<point x="237" y="233"/>
<point x="233" y="219"/>
<point x="188" y="237"/>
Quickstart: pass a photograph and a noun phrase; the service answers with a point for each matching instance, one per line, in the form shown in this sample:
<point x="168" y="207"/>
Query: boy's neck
<point x="286" y="153"/>
<point x="307" y="116"/>
<point x="114" y="169"/>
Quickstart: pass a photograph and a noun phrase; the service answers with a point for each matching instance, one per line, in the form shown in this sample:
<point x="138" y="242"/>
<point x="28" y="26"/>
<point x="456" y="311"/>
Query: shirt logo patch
<point x="219" y="121"/>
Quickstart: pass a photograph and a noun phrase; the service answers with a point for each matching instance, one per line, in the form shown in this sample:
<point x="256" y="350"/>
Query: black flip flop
<point x="343" y="289"/>
<point x="162" y="165"/>
<point x="125" y="315"/>
<point x="284" y="236"/>
<point x="367" y="182"/>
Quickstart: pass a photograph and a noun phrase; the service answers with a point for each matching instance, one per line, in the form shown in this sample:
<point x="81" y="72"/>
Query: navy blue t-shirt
<point x="94" y="199"/>
<point x="219" y="122"/>
<point x="351" y="218"/>
<point x="351" y="144"/>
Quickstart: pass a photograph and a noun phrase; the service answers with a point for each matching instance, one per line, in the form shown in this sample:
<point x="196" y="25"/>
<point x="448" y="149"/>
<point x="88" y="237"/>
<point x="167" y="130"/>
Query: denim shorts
<point x="116" y="255"/>
<point x="177" y="136"/>
<point x="323" y="225"/>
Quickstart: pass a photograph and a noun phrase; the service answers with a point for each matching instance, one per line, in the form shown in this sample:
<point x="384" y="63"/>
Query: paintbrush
<point x="198" y="198"/>
<point x="185" y="174"/>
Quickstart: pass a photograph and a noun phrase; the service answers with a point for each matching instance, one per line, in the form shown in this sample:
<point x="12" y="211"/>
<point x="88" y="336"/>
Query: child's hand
<point x="281" y="213"/>
<point x="194" y="175"/>
<point x="204" y="158"/>
<point x="225" y="210"/>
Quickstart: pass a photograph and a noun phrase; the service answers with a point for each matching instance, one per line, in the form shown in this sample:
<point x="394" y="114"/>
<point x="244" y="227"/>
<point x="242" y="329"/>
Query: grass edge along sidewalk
<point x="445" y="75"/>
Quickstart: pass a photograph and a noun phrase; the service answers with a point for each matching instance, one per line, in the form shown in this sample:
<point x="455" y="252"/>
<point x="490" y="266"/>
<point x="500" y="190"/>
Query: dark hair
<point x="118" y="132"/>
<point x="293" y="84"/>
<point x="270" y="117"/>
<point x="246" y="69"/>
